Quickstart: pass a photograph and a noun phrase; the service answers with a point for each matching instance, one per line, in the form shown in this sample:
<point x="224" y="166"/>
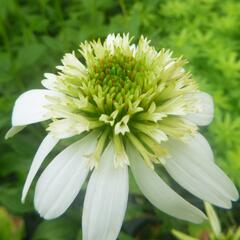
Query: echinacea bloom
<point x="132" y="107"/>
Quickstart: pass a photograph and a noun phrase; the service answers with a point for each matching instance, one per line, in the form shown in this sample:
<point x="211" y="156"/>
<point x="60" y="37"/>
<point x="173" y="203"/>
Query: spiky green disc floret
<point x="126" y="92"/>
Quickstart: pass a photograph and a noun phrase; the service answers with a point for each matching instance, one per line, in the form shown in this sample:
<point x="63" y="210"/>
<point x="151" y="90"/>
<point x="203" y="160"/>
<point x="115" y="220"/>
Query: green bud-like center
<point x="116" y="78"/>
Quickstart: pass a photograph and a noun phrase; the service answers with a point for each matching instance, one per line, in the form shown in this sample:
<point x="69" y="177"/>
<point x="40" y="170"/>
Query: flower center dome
<point x="116" y="77"/>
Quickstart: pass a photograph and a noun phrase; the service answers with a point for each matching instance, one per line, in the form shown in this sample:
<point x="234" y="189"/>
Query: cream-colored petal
<point x="30" y="107"/>
<point x="159" y="193"/>
<point x="192" y="167"/>
<point x="205" y="112"/>
<point x="105" y="202"/>
<point x="62" y="180"/>
<point x="48" y="143"/>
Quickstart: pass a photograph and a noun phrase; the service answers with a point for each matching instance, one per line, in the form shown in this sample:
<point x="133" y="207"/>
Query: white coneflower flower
<point x="131" y="107"/>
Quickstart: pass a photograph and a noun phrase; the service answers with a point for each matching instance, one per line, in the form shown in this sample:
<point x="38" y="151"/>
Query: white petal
<point x="201" y="147"/>
<point x="206" y="110"/>
<point x="48" y="143"/>
<point x="30" y="107"/>
<point x="192" y="167"/>
<point x="106" y="200"/>
<point x="13" y="131"/>
<point x="61" y="181"/>
<point x="159" y="193"/>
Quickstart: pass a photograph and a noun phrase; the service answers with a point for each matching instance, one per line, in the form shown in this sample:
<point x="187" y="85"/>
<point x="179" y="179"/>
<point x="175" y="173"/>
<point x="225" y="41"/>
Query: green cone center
<point x="116" y="77"/>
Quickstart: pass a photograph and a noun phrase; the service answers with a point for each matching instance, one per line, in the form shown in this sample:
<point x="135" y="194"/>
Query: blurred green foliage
<point x="10" y="227"/>
<point x="34" y="34"/>
<point x="214" y="232"/>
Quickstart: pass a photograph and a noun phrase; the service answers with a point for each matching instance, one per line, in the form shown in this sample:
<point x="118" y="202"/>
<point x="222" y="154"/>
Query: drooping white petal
<point x="106" y="200"/>
<point x="159" y="193"/>
<point x="48" y="143"/>
<point x="205" y="112"/>
<point x="13" y="131"/>
<point x="192" y="167"/>
<point x="61" y="181"/>
<point x="201" y="147"/>
<point x="30" y="107"/>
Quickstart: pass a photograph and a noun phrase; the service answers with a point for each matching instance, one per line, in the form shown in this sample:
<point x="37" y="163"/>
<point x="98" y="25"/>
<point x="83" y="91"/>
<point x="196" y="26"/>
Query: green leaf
<point x="182" y="236"/>
<point x="10" y="197"/>
<point x="30" y="55"/>
<point x="124" y="236"/>
<point x="213" y="219"/>
<point x="10" y="227"/>
<point x="59" y="229"/>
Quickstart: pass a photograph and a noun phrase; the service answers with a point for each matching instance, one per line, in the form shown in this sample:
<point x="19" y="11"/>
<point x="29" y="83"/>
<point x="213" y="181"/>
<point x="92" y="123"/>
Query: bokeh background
<point x="34" y="35"/>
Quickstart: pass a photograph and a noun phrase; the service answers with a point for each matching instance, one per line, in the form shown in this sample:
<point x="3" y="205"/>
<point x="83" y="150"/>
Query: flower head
<point x="131" y="106"/>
